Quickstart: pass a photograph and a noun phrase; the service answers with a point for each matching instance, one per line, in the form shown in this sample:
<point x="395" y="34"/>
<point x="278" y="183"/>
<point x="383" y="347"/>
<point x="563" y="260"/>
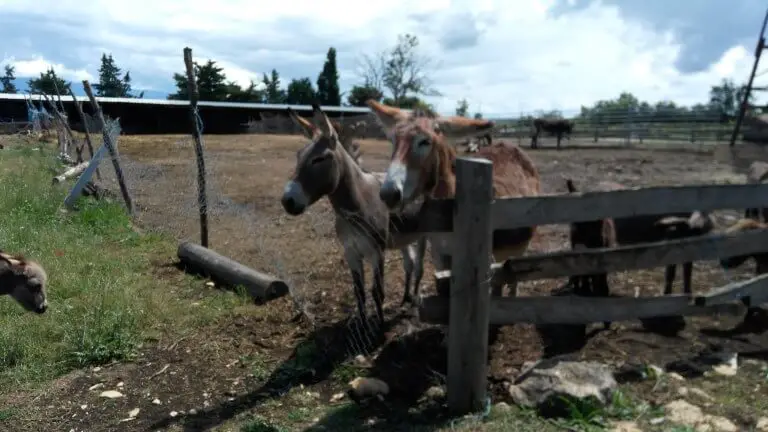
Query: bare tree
<point x="402" y="70"/>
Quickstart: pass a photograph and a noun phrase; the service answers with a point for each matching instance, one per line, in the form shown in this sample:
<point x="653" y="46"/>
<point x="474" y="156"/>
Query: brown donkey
<point x="24" y="281"/>
<point x="325" y="168"/>
<point x="422" y="164"/>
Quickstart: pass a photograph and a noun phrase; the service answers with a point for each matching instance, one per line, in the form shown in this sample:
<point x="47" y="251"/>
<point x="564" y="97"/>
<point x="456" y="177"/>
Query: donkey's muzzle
<point x="41" y="309"/>
<point x="391" y="195"/>
<point x="292" y="206"/>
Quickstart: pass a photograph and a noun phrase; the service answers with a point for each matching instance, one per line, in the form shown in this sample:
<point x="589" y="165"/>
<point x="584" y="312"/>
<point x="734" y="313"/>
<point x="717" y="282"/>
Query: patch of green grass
<point x="103" y="297"/>
<point x="6" y="414"/>
<point x="259" y="424"/>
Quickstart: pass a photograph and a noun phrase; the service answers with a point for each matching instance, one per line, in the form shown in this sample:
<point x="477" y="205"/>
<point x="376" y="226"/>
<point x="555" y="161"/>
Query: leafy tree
<point x="328" y="92"/>
<point x="274" y="94"/>
<point x="462" y="108"/>
<point x="359" y="94"/>
<point x="127" y="90"/>
<point x="49" y="83"/>
<point x="252" y="93"/>
<point x="478" y="116"/>
<point x="300" y="92"/>
<point x="726" y="98"/>
<point x="211" y="83"/>
<point x="402" y="71"/>
<point x="7" y="80"/>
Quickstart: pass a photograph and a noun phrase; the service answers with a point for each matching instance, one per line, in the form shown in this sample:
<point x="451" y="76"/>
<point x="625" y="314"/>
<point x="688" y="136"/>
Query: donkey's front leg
<point x="378" y="286"/>
<point x="355" y="263"/>
<point x="418" y="271"/>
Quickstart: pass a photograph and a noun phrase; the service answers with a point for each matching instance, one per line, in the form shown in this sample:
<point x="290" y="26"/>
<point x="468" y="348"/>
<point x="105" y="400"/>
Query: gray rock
<point x="545" y="386"/>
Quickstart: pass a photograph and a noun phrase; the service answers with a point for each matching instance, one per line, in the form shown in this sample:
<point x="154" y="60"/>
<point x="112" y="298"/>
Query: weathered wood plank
<point x="754" y="288"/>
<point x="469" y="300"/>
<point x="635" y="257"/>
<point x="579" y="310"/>
<point x="588" y="206"/>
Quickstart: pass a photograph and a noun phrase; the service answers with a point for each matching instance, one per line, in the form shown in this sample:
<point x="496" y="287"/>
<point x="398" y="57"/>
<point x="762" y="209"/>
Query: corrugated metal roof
<point x="248" y="105"/>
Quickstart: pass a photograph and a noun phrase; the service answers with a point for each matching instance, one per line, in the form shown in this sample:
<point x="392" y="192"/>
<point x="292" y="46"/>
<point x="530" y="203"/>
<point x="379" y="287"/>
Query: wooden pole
<point x="88" y="141"/>
<point x="110" y="147"/>
<point x="197" y="135"/>
<point x="470" y="277"/>
<point x="745" y="98"/>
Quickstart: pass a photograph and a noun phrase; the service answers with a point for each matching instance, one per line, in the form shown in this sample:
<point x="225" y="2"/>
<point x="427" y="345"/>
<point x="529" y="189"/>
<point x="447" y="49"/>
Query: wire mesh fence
<point x="632" y="126"/>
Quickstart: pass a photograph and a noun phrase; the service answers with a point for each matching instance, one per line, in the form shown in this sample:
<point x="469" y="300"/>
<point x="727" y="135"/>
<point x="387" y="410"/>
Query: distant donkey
<point x="324" y="167"/>
<point x="24" y="281"/>
<point x="558" y="127"/>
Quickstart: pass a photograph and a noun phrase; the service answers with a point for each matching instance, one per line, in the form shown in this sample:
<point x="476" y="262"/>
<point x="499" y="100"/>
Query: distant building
<point x="160" y="116"/>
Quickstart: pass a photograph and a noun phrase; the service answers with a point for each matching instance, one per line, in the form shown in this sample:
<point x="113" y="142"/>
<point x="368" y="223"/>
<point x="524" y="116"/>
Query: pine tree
<point x="328" y="92"/>
<point x="7" y="80"/>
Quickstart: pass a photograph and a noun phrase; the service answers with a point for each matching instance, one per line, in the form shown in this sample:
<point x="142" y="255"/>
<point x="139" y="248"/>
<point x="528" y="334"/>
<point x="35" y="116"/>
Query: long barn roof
<point x="247" y="105"/>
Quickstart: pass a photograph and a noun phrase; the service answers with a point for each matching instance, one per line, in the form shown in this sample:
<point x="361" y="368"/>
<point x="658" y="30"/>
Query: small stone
<point x="192" y="411"/>
<point x="97" y="369"/>
<point x="133" y="413"/>
<point x="210" y="284"/>
<point x="120" y="384"/>
<point x="655" y="370"/>
<point x="625" y="426"/>
<point x="762" y="424"/>
<point x="96" y="386"/>
<point x="502" y="407"/>
<point x="656" y="421"/>
<point x="111" y="394"/>
<point x="684" y="413"/>
<point x="701" y="393"/>
<point x="682" y="391"/>
<point x="174" y="413"/>
<point x="721" y="424"/>
<point x="156" y="401"/>
<point x="82" y="407"/>
<point x="435" y="393"/>
<point x="675" y="376"/>
<point x="337" y="397"/>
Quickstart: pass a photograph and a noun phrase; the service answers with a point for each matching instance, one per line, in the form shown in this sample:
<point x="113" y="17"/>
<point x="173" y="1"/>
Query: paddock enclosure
<point x="246" y="176"/>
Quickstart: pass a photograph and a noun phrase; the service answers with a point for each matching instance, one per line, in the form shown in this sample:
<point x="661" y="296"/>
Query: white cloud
<point x="33" y="67"/>
<point x="509" y="56"/>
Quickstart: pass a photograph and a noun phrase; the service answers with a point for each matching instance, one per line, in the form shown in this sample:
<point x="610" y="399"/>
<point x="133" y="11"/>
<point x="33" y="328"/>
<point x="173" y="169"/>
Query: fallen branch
<point x="72" y="172"/>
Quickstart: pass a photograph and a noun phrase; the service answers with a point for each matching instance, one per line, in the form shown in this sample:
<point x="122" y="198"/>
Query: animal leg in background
<point x="413" y="263"/>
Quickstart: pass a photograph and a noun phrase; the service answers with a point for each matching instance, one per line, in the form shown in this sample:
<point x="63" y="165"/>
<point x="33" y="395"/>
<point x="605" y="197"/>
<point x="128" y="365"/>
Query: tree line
<point x="398" y="76"/>
<point x="112" y="81"/>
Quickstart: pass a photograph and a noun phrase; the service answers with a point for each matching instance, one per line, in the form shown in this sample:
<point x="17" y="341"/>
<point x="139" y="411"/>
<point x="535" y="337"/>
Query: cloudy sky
<point x="504" y="57"/>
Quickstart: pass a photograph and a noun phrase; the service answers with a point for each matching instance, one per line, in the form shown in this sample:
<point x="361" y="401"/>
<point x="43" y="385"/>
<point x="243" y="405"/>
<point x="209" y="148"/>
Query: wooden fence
<point x="474" y="214"/>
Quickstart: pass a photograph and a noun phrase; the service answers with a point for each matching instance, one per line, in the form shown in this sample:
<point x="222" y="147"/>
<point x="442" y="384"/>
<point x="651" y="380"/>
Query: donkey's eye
<point x="318" y="159"/>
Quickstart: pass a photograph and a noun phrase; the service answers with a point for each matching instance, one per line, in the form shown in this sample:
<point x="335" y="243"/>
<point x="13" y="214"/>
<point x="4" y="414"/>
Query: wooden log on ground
<point x="543" y="310"/>
<point x="72" y="172"/>
<point x="260" y="286"/>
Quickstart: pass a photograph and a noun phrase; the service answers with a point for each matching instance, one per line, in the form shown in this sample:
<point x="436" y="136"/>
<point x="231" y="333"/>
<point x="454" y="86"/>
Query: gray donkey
<point x="363" y="224"/>
<point x="24" y="281"/>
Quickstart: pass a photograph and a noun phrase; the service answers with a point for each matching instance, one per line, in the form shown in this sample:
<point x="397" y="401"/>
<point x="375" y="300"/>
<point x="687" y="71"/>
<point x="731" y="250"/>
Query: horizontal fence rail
<point x="579" y="310"/>
<point x="622" y="258"/>
<point x="509" y="213"/>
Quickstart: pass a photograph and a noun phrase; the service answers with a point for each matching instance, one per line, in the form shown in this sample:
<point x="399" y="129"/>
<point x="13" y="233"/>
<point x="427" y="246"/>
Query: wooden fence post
<point x="202" y="199"/>
<point x="470" y="283"/>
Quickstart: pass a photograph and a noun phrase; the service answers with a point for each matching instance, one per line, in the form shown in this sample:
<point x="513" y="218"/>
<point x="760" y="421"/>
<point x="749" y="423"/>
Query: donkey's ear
<point x="456" y="128"/>
<point x="306" y="127"/>
<point x="323" y="123"/>
<point x="387" y="115"/>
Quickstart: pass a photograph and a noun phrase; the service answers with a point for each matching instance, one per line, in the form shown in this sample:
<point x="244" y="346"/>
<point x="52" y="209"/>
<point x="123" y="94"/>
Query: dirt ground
<point x="233" y="370"/>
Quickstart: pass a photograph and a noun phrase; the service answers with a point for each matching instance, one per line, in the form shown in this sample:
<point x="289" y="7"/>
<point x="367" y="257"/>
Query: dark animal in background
<point x="639" y="229"/>
<point x="758" y="173"/>
<point x="24" y="281"/>
<point x="558" y="127"/>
